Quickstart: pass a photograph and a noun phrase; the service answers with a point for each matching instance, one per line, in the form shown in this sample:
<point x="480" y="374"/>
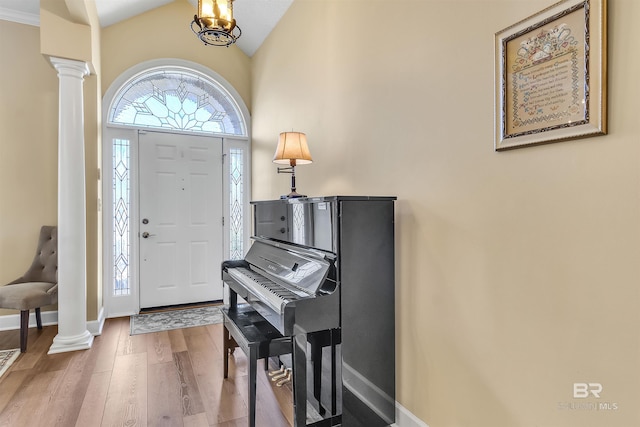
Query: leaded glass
<point x="121" y="205"/>
<point x="236" y="197"/>
<point x="178" y="100"/>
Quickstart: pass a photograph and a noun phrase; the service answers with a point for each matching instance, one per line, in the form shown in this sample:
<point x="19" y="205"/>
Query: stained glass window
<point x="236" y="197"/>
<point x="121" y="205"/>
<point x="178" y="100"/>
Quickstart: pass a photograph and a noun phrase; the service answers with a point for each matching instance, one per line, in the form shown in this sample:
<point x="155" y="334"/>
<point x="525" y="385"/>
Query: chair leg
<point x="24" y="330"/>
<point x="38" y="318"/>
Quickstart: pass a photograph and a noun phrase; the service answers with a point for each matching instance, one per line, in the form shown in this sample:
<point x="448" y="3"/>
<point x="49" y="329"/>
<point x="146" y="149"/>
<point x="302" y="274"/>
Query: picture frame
<point x="551" y="76"/>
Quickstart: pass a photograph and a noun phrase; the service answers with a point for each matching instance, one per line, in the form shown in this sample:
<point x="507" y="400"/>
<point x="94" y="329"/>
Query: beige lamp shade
<point x="292" y="149"/>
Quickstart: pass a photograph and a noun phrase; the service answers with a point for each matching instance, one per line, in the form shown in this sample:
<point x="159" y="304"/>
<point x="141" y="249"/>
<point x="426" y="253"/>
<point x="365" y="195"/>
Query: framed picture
<point x="551" y="76"/>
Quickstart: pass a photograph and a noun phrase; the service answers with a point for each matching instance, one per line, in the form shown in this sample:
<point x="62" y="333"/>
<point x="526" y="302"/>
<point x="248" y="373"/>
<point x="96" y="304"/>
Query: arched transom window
<point x="177" y="99"/>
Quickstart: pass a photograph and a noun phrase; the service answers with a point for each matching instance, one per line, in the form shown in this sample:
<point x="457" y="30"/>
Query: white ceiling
<point x="256" y="18"/>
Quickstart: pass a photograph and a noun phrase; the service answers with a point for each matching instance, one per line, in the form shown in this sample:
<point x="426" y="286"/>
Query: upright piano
<point x="320" y="270"/>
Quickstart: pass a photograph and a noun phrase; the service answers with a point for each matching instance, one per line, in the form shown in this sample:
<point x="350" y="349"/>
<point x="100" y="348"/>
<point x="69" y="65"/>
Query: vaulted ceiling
<point x="256" y="17"/>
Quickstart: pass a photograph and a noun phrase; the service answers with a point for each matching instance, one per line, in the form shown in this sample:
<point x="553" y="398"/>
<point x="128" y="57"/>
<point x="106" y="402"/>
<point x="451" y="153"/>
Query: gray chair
<point x="37" y="287"/>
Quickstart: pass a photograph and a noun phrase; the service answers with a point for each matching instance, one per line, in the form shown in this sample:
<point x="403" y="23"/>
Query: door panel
<point x="181" y="200"/>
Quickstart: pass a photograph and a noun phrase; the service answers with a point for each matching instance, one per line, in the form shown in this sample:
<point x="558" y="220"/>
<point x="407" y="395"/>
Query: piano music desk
<point x="246" y="328"/>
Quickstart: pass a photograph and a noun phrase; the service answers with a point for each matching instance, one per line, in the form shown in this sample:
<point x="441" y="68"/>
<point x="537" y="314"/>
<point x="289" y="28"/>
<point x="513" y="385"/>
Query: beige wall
<point x="28" y="147"/>
<point x="93" y="158"/>
<point x="164" y="33"/>
<point x="517" y="272"/>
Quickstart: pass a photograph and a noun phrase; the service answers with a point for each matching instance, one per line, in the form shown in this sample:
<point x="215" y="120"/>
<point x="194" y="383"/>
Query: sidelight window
<point x="121" y="208"/>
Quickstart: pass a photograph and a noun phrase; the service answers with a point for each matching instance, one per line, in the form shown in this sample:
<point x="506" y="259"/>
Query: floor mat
<point x="175" y="319"/>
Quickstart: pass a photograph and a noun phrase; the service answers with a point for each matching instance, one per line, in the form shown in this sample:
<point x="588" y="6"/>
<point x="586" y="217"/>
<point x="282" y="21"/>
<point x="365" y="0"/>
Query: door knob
<point x="146" y="235"/>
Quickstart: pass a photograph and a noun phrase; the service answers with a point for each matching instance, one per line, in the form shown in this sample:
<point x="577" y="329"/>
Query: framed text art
<point x="551" y="76"/>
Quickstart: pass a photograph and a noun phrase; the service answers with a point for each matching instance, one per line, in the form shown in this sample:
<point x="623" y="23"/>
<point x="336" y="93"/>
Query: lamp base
<point x="292" y="195"/>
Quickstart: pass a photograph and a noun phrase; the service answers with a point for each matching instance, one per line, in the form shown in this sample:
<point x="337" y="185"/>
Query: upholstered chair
<point x="37" y="287"/>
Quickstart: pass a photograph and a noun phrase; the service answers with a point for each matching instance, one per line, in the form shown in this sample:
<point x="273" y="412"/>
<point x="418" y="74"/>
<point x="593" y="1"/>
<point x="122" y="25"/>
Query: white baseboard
<point x="12" y="321"/>
<point x="404" y="418"/>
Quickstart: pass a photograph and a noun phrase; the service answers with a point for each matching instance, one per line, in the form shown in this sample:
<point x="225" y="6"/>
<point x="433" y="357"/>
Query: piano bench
<point x="246" y="328"/>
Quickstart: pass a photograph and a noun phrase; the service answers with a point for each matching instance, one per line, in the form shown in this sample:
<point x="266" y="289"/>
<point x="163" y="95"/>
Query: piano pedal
<point x="277" y="371"/>
<point x="284" y="380"/>
<point x="279" y="376"/>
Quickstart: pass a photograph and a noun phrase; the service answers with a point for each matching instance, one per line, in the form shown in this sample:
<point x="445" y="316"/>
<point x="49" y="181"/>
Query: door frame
<point x="125" y="305"/>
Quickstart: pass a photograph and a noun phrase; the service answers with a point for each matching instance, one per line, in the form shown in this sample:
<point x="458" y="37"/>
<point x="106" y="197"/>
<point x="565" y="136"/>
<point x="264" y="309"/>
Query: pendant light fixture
<point x="214" y="23"/>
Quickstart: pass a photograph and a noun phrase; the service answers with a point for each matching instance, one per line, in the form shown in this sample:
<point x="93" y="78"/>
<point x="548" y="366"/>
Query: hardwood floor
<point x="171" y="379"/>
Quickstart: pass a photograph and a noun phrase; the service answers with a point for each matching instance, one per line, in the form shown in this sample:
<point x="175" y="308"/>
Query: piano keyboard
<point x="268" y="291"/>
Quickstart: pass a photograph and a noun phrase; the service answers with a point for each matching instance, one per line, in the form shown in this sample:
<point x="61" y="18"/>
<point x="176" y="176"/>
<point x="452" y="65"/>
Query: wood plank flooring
<point x="171" y="379"/>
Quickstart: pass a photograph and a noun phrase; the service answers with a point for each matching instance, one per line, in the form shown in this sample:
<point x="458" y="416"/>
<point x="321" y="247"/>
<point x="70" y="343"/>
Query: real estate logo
<point x="583" y="390"/>
<point x="588" y="397"/>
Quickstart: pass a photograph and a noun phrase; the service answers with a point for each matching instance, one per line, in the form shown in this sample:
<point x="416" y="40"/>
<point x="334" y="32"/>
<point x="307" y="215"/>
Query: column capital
<point x="70" y="67"/>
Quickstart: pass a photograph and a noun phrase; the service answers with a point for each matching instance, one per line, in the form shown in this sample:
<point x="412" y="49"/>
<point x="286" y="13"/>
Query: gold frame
<point x="551" y="76"/>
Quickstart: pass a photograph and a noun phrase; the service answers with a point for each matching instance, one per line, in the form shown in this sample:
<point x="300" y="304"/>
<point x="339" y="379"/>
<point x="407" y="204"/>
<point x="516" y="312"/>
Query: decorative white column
<point x="72" y="242"/>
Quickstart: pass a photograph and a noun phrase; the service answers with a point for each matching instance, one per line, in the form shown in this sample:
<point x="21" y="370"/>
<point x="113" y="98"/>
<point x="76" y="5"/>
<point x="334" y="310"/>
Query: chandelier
<point x="214" y="23"/>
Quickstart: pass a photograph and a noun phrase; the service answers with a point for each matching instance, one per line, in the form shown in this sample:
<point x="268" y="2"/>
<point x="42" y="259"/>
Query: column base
<point x="64" y="344"/>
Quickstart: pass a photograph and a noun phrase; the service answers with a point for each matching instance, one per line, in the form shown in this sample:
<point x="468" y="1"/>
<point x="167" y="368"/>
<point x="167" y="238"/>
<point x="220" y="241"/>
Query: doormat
<point x="7" y="357"/>
<point x="175" y="319"/>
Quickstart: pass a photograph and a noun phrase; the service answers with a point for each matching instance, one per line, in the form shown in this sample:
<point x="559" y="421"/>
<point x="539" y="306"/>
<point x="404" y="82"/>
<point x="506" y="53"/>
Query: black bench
<point x="246" y="328"/>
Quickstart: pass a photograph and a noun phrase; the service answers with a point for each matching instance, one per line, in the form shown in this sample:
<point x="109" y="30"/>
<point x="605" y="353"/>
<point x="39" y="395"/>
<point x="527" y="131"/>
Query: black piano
<point x="321" y="272"/>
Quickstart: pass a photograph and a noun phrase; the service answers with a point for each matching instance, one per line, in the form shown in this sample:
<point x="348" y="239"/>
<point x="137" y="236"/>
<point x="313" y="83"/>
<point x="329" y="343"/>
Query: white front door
<point x="180" y="229"/>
